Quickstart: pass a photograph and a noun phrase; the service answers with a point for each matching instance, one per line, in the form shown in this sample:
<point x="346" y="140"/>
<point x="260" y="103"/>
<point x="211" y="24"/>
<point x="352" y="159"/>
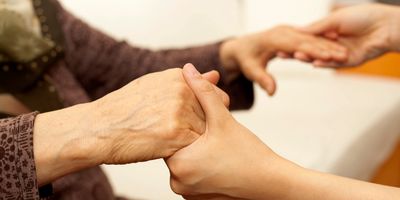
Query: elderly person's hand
<point x="152" y="117"/>
<point x="367" y="31"/>
<point x="250" y="54"/>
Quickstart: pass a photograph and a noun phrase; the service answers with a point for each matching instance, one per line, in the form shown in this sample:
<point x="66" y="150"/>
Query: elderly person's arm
<point x="150" y="118"/>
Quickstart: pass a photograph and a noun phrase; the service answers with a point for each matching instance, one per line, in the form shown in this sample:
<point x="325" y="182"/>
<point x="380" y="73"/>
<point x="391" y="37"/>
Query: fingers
<point x="330" y="64"/>
<point x="322" y="49"/>
<point x="283" y="55"/>
<point x="256" y="72"/>
<point x="209" y="99"/>
<point x="320" y="27"/>
<point x="212" y="77"/>
<point x="333" y="35"/>
<point x="302" y="56"/>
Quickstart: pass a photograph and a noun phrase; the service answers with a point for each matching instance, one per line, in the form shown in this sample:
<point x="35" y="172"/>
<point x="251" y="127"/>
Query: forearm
<point x="312" y="185"/>
<point x="284" y="180"/>
<point x="62" y="144"/>
<point x="271" y="179"/>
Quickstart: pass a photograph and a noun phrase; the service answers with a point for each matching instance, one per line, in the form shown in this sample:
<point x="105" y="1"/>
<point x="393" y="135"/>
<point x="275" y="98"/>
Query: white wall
<point x="261" y="14"/>
<point x="159" y="23"/>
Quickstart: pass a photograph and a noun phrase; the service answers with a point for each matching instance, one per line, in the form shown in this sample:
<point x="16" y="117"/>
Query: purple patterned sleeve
<point x="17" y="164"/>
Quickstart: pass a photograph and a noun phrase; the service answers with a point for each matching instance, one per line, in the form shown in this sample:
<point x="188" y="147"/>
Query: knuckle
<point x="206" y="87"/>
<point x="175" y="70"/>
<point x="174" y="129"/>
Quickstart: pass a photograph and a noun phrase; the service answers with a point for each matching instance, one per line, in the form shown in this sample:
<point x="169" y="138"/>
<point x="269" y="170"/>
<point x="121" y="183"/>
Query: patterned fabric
<point x="94" y="65"/>
<point x="17" y="166"/>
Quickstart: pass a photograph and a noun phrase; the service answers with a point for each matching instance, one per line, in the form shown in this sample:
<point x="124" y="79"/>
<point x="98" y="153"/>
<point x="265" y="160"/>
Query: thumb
<point x="210" y="101"/>
<point x="213" y="77"/>
<point x="322" y="26"/>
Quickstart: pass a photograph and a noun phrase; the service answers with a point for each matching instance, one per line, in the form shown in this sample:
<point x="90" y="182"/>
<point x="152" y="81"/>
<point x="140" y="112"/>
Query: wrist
<point x="63" y="143"/>
<point x="272" y="179"/>
<point x="228" y="58"/>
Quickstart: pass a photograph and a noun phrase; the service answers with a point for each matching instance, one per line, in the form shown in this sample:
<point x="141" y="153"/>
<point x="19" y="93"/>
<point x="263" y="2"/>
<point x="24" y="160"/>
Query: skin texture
<point x="251" y="53"/>
<point x="367" y="31"/>
<point x="145" y="120"/>
<point x="230" y="162"/>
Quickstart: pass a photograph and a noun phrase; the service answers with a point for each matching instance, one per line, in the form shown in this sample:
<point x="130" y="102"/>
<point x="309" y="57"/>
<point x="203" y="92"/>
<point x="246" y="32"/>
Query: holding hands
<point x="225" y="160"/>
<point x="145" y="120"/>
<point x="180" y="115"/>
<point x="251" y="53"/>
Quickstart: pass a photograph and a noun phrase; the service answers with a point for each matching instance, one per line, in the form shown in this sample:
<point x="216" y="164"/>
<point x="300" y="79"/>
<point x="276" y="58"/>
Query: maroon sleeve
<point x="103" y="64"/>
<point x="17" y="165"/>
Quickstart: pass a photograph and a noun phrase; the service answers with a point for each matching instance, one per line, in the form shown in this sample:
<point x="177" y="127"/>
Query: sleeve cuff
<point x="17" y="163"/>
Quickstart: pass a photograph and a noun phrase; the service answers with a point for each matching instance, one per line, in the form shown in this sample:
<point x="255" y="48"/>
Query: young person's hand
<point x="227" y="159"/>
<point x="367" y="31"/>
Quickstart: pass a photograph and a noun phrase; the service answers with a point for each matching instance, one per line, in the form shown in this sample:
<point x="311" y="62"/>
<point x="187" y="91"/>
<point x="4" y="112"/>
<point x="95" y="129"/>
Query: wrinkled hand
<point x="150" y="118"/>
<point x="223" y="161"/>
<point x="367" y="31"/>
<point x="250" y="54"/>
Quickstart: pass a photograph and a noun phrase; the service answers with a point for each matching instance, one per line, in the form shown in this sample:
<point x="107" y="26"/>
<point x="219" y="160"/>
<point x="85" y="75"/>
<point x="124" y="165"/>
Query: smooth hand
<point x="367" y="31"/>
<point x="250" y="54"/>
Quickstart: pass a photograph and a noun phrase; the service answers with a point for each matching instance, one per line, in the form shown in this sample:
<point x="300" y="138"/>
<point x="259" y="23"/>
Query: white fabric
<point x="25" y="9"/>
